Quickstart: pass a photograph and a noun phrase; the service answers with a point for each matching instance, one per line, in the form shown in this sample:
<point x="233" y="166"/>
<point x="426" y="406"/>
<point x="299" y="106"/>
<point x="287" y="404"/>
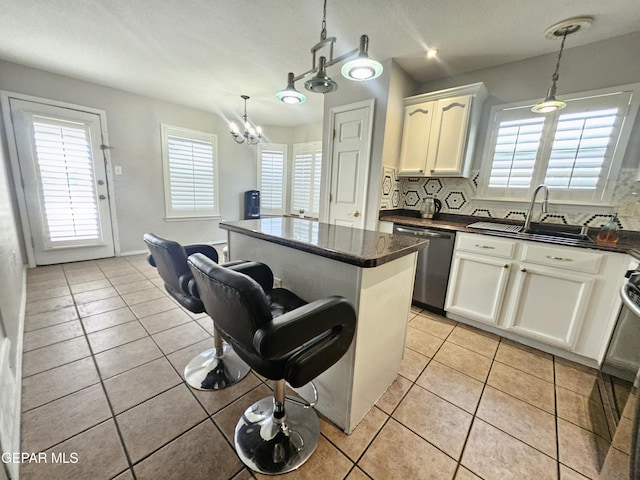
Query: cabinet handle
<point x="562" y="259"/>
<point x="506" y="265"/>
<point x="523" y="270"/>
<point x="488" y="247"/>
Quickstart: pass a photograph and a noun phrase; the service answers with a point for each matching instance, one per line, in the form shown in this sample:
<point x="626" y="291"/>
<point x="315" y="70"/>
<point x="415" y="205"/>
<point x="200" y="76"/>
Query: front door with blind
<point x="64" y="179"/>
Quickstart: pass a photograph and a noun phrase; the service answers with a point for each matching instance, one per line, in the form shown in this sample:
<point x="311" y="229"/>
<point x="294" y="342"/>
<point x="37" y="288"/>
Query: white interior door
<point x="64" y="179"/>
<point x="350" y="163"/>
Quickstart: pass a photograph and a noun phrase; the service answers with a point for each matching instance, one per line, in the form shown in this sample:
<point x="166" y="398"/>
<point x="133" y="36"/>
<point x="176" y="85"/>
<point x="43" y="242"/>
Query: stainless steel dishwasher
<point x="434" y="262"/>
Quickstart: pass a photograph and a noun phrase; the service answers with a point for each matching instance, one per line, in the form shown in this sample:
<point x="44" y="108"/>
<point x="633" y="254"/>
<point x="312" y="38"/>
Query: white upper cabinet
<point x="439" y="132"/>
<point x="415" y="139"/>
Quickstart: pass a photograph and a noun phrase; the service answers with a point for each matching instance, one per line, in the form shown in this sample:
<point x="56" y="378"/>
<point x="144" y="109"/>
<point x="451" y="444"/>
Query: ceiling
<point x="206" y="53"/>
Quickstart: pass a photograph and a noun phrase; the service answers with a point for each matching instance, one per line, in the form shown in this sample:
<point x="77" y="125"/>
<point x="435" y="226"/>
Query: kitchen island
<point x="373" y="270"/>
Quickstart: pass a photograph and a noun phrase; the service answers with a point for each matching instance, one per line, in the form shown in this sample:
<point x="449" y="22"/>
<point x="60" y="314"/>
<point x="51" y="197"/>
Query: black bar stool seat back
<point x="283" y="338"/>
<point x="214" y="368"/>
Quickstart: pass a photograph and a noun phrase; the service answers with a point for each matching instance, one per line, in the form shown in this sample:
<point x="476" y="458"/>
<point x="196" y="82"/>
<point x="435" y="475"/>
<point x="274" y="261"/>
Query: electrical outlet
<point x="118" y="170"/>
<point x="627" y="208"/>
<point x="277" y="282"/>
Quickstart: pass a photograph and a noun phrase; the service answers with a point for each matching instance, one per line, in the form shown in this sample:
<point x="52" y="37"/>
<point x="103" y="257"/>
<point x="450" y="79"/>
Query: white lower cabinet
<point x="564" y="297"/>
<point x="478" y="287"/>
<point x="548" y="304"/>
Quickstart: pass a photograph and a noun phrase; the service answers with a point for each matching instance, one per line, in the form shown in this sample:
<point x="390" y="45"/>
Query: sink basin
<point x="556" y="234"/>
<point x="516" y="230"/>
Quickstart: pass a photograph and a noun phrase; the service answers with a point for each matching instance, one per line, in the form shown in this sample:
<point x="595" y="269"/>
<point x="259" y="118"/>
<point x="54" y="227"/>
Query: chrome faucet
<point x="545" y="205"/>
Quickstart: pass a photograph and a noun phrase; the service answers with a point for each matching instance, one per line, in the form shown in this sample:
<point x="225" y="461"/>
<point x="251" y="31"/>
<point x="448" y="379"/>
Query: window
<point x="190" y="161"/>
<point x="577" y="151"/>
<point x="272" y="161"/>
<point x="305" y="181"/>
<point x="67" y="183"/>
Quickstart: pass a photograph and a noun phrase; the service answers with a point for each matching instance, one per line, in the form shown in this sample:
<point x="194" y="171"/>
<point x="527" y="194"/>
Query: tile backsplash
<point x="458" y="196"/>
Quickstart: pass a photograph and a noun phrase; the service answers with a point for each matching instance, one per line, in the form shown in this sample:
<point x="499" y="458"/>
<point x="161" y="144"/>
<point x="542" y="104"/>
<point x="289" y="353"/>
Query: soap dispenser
<point x="609" y="234"/>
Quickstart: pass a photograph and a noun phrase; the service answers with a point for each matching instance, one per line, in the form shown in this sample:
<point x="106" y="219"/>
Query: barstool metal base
<point x="271" y="446"/>
<point x="207" y="371"/>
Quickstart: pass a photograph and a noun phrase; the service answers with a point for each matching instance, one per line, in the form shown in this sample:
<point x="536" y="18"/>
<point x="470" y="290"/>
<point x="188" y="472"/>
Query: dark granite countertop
<point x="363" y="248"/>
<point x="629" y="240"/>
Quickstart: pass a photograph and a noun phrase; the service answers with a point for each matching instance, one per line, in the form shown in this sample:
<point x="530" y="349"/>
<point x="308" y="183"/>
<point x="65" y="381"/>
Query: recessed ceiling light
<point x="432" y="53"/>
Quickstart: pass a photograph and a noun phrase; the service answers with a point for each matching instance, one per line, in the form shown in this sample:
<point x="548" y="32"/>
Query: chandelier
<point x="251" y="135"/>
<point x="360" y="68"/>
<point x="559" y="30"/>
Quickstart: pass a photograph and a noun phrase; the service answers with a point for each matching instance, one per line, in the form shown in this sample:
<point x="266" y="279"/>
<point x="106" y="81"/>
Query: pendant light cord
<point x="323" y="33"/>
<point x="555" y="77"/>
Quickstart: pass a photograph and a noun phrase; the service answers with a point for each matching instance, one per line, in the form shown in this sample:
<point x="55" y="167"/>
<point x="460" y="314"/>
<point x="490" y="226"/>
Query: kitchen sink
<point x="516" y="230"/>
<point x="559" y="234"/>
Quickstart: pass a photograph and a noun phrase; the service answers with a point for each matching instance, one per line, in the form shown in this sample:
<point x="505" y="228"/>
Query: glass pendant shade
<point x="550" y="103"/>
<point x="290" y="95"/>
<point x="362" y="68"/>
<point x="321" y="83"/>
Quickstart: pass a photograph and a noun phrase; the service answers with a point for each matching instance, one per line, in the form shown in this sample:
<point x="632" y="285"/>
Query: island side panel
<point x="385" y="301"/>
<point x="311" y="277"/>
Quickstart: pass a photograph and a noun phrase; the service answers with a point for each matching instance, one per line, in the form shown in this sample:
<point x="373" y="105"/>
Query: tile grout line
<point x="475" y="413"/>
<point x="494" y="360"/>
<point x="104" y="390"/>
<point x="136" y="318"/>
<point x="390" y="415"/>
<point x="555" y="405"/>
<point x="183" y="381"/>
<point x="556" y="416"/>
<point x="354" y="465"/>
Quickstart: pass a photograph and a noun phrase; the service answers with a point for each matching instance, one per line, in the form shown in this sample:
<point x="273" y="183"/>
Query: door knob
<point x="356" y="213"/>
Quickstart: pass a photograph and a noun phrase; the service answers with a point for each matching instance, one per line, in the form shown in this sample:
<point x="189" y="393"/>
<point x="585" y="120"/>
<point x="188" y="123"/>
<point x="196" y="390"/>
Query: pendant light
<point x="559" y="30"/>
<point x="252" y="135"/>
<point x="290" y="95"/>
<point x="361" y="68"/>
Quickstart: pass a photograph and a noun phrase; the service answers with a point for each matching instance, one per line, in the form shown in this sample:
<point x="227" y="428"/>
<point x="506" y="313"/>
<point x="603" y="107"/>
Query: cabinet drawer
<point x="575" y="259"/>
<point x="486" y="245"/>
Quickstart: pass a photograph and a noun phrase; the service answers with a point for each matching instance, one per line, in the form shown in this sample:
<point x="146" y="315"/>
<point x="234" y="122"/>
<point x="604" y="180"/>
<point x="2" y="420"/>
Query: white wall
<point x="400" y="86"/>
<point x="351" y="92"/>
<point x="388" y="90"/>
<point x="597" y="65"/>
<point x="312" y="132"/>
<point x="12" y="300"/>
<point x="134" y="132"/>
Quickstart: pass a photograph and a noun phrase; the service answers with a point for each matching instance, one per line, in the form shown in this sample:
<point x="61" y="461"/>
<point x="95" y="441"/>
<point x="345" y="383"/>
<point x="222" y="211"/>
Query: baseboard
<point x="140" y="252"/>
<point x="133" y="252"/>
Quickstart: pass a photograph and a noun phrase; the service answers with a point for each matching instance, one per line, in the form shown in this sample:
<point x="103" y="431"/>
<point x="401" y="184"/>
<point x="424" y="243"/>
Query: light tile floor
<point x="104" y="351"/>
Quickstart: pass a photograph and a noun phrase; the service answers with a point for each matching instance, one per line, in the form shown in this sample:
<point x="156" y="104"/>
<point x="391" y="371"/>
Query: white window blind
<point x="272" y="159"/>
<point x="515" y="153"/>
<point x="575" y="151"/>
<point x="305" y="181"/>
<point x="67" y="183"/>
<point x="191" y="173"/>
<point x="580" y="149"/>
